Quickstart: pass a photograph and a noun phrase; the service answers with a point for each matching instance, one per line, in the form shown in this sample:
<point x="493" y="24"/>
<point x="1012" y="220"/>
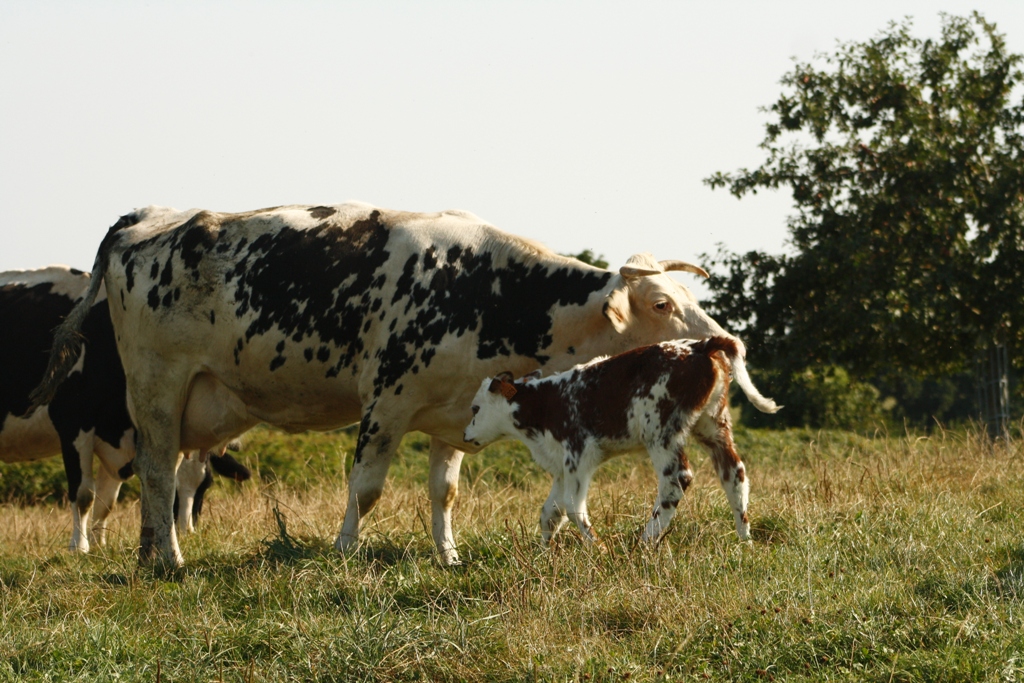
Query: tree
<point x="905" y="159"/>
<point x="588" y="257"/>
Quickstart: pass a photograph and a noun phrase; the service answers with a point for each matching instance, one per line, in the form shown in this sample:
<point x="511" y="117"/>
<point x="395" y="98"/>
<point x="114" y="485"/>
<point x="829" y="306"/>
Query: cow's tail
<point x="67" y="338"/>
<point x="733" y="352"/>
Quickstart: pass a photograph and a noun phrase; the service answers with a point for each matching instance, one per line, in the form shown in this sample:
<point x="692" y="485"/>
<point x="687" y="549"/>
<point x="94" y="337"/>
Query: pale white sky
<point x="583" y="124"/>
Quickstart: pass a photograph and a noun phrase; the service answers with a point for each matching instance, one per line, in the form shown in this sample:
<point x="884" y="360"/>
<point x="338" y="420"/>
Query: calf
<point x="653" y="397"/>
<point x="88" y="414"/>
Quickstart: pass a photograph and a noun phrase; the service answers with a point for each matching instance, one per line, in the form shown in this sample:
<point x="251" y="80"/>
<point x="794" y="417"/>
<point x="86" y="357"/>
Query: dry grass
<point x="873" y="559"/>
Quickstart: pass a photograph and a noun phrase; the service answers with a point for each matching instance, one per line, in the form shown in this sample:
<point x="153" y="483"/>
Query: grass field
<point x="874" y="559"/>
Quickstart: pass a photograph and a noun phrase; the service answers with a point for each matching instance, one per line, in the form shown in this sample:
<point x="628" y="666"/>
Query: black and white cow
<point x="87" y="415"/>
<point x="654" y="398"/>
<point x="314" y="317"/>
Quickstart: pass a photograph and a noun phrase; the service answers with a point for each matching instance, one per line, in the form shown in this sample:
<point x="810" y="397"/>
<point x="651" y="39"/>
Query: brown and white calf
<point x="654" y="397"/>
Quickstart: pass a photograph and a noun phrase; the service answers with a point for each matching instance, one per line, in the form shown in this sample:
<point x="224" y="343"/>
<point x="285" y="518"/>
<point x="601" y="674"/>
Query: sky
<point x="578" y="124"/>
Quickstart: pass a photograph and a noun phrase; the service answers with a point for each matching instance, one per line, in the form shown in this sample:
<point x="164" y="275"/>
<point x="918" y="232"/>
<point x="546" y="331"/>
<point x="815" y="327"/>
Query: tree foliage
<point x="588" y="257"/>
<point x="905" y="159"/>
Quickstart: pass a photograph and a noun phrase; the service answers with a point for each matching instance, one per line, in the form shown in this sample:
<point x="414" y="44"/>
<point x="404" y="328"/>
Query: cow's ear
<point x="640" y="265"/>
<point x="533" y="375"/>
<point x="616" y="309"/>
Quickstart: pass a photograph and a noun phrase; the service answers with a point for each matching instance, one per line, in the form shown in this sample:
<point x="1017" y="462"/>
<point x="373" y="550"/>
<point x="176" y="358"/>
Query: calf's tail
<point x="733" y="351"/>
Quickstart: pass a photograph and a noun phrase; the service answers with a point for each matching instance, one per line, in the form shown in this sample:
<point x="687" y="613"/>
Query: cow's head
<point x="647" y="306"/>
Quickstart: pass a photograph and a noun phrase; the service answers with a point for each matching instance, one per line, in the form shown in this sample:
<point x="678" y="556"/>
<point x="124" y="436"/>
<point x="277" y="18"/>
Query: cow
<point x="315" y="317"/>
<point x="194" y="478"/>
<point x="88" y="414"/>
<point x="654" y="397"/>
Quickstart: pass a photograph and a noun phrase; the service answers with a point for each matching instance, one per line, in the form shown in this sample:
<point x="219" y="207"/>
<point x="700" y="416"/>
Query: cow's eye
<point x="476" y="409"/>
<point x="663" y="307"/>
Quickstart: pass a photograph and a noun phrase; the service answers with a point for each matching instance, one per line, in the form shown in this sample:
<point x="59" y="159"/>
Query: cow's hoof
<point x="161" y="563"/>
<point x="449" y="558"/>
<point x="79" y="547"/>
<point x="98" y="535"/>
<point x="150" y="555"/>
<point x="346" y="544"/>
<point x="650" y="538"/>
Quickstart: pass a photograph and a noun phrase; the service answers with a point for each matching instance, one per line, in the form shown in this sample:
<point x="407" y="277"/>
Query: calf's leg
<point x="731" y="472"/>
<point x="445" y="462"/>
<point x="552" y="513"/>
<point x="674" y="477"/>
<point x="576" y="484"/>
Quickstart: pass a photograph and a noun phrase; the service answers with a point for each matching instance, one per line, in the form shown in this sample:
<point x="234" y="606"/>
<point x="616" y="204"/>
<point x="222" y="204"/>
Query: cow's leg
<point x="576" y="483"/>
<point x="375" y="447"/>
<point x="107" y="486"/>
<point x="77" y="454"/>
<point x="190" y="475"/>
<point x="159" y="434"/>
<point x="674" y="477"/>
<point x="197" y="500"/>
<point x="108" y="481"/>
<point x="445" y="462"/>
<point x="552" y="514"/>
<point x="717" y="436"/>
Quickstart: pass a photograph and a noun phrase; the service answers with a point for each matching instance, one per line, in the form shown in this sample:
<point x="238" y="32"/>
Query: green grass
<point x="874" y="559"/>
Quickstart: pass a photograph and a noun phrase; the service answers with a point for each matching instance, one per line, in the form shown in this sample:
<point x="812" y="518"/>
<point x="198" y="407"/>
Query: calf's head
<point x="492" y="410"/>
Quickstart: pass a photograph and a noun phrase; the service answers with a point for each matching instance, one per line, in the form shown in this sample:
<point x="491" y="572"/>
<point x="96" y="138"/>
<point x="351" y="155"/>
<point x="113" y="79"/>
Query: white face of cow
<point x="649" y="306"/>
<point x="492" y="413"/>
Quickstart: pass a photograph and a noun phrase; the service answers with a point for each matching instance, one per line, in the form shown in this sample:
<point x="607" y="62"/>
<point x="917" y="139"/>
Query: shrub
<point x="821" y="397"/>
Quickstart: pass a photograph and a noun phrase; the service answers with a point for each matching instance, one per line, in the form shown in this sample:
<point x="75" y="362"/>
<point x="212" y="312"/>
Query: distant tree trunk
<point x="994" y="390"/>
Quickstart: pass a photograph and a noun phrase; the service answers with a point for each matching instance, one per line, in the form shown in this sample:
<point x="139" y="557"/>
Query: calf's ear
<point x="533" y="375"/>
<point x="499" y="379"/>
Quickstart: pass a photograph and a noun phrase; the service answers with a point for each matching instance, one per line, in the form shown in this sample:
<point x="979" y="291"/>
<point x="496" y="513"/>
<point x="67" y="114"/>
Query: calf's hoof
<point x="743" y="531"/>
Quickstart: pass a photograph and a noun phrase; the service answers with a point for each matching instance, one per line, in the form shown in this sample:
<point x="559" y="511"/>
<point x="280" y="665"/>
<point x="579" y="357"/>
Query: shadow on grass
<point x="288" y="549"/>
<point x="957" y="592"/>
<point x="115" y="579"/>
<point x="770" y="529"/>
<point x="12" y="577"/>
<point x="1008" y="580"/>
<point x="284" y="548"/>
